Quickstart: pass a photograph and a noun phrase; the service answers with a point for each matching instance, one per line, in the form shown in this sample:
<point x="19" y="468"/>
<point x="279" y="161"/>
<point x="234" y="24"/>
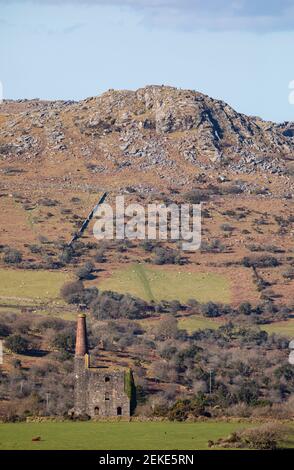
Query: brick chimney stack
<point x="81" y="339"/>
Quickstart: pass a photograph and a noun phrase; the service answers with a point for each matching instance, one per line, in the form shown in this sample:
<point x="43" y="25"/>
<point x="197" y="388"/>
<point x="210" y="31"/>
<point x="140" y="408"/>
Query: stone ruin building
<point x="100" y="391"/>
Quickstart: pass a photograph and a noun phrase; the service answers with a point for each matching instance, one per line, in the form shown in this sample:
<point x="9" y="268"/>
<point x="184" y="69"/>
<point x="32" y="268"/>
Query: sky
<point x="240" y="51"/>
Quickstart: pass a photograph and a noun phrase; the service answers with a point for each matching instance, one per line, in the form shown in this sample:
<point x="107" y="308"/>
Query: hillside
<point x="156" y="144"/>
<point x="164" y="130"/>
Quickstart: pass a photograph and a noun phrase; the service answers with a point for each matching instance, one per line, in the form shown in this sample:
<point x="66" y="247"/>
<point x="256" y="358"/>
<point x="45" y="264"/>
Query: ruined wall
<point x="100" y="391"/>
<point x="81" y="386"/>
<point x="106" y="393"/>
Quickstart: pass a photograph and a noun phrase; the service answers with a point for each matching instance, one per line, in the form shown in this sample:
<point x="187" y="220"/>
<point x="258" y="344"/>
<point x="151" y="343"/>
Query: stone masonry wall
<point x="100" y="391"/>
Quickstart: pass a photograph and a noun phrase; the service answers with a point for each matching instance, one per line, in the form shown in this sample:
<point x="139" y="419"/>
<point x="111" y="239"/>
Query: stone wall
<point x="100" y="391"/>
<point x="106" y="393"/>
<point x="81" y="386"/>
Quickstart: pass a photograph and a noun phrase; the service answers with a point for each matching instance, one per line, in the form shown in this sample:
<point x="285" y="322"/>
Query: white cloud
<point x="216" y="15"/>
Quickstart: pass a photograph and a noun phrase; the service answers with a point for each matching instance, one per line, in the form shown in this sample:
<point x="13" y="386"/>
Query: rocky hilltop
<point x="153" y="127"/>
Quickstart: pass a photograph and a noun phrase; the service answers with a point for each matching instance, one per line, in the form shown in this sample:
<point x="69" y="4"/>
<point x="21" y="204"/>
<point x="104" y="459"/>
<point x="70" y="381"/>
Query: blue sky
<point x="240" y="51"/>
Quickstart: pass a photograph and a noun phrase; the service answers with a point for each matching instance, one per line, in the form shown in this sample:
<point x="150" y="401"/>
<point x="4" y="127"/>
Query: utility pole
<point x="47" y="401"/>
<point x="210" y="381"/>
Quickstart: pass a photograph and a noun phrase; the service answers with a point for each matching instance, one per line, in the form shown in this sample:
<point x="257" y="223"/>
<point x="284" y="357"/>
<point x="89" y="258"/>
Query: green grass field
<point x="196" y="322"/>
<point x="26" y="284"/>
<point x="157" y="283"/>
<point x="101" y="436"/>
<point x="285" y="328"/>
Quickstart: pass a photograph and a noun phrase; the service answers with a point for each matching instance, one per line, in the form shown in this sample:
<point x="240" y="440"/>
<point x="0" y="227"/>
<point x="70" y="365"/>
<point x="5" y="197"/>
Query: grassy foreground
<point x="113" y="436"/>
<point x="158" y="283"/>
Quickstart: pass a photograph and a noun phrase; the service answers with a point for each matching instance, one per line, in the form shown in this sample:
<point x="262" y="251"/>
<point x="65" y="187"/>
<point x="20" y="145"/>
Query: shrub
<point x="85" y="271"/>
<point x="167" y="256"/>
<point x="245" y="308"/>
<point x="232" y="189"/>
<point x="196" y="196"/>
<point x="4" y="330"/>
<point x="248" y="393"/>
<point x="35" y="249"/>
<point x="100" y="256"/>
<point x="47" y="202"/>
<point x="289" y="274"/>
<point x="64" y="341"/>
<point x="16" y="363"/>
<point x="76" y="200"/>
<point x="66" y="255"/>
<point x="17" y="344"/>
<point x="215" y="246"/>
<point x="51" y="323"/>
<point x="73" y="292"/>
<point x="264" y="437"/>
<point x="111" y="305"/>
<point x="167" y="328"/>
<point x="227" y="228"/>
<point x="261" y="262"/>
<point x="182" y="409"/>
<point x="12" y="256"/>
<point x="148" y="246"/>
<point x="211" y="310"/>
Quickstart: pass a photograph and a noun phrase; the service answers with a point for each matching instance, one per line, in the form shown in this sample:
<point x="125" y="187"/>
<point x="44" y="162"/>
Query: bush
<point x="232" y="189"/>
<point x="16" y="363"/>
<point x="100" y="256"/>
<point x="12" y="256"/>
<point x="148" y="246"/>
<point x="261" y="262"/>
<point x="72" y="292"/>
<point x="4" y="330"/>
<point x="17" y="344"/>
<point x="196" y="196"/>
<point x="264" y="437"/>
<point x="167" y="256"/>
<point x="248" y="393"/>
<point x="85" y="272"/>
<point x="227" y="228"/>
<point x="215" y="246"/>
<point x="245" y="308"/>
<point x="47" y="202"/>
<point x="111" y="305"/>
<point x="289" y="274"/>
<point x="167" y="328"/>
<point x="211" y="310"/>
<point x="66" y="255"/>
<point x="64" y="341"/>
<point x="75" y="293"/>
<point x="182" y="409"/>
<point x="51" y="323"/>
